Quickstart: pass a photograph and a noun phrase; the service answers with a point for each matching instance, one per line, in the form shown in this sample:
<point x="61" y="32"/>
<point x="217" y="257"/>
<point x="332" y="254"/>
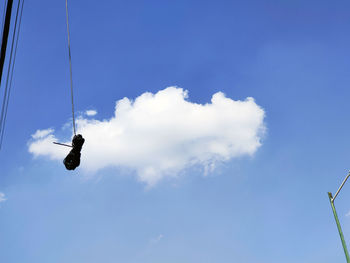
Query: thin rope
<point x="70" y="68"/>
<point x="12" y="70"/>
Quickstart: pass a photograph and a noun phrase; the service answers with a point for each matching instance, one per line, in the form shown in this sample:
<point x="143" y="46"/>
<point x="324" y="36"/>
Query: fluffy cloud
<point x="159" y="135"/>
<point x="2" y="197"/>
<point x="43" y="145"/>
<point x="39" y="134"/>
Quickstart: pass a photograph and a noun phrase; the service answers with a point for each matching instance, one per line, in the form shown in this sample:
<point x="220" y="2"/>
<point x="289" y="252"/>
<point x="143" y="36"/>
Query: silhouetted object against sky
<point x="72" y="160"/>
<point x="5" y="34"/>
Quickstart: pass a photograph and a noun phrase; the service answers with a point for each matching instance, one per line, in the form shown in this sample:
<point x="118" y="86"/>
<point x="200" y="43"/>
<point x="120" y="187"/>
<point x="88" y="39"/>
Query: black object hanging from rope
<point x="72" y="160"/>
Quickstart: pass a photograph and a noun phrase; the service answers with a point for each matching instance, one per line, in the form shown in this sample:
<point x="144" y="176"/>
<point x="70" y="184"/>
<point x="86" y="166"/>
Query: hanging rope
<point x="72" y="160"/>
<point x="70" y="68"/>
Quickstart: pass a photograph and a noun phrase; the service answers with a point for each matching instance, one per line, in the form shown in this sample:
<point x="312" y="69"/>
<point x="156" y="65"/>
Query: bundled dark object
<point x="72" y="160"/>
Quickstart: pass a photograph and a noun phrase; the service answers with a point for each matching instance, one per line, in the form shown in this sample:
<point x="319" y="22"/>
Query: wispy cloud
<point x="39" y="134"/>
<point x="159" y="135"/>
<point x="156" y="239"/>
<point x="2" y="197"/>
<point x="90" y="113"/>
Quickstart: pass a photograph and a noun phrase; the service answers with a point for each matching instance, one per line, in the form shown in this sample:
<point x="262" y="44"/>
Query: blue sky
<point x="290" y="56"/>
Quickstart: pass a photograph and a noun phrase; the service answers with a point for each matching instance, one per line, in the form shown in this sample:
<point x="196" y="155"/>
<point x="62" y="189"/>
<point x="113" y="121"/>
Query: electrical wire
<point x="3" y="18"/>
<point x="10" y="70"/>
<point x="6" y="29"/>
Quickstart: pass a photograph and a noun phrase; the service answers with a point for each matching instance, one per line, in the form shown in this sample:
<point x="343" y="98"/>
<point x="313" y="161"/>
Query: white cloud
<point x="43" y="145"/>
<point x="42" y="133"/>
<point x="2" y="197"/>
<point x="90" y="113"/>
<point x="161" y="134"/>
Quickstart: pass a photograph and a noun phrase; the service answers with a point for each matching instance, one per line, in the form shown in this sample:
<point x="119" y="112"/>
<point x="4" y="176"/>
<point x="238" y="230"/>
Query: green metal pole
<point x="339" y="228"/>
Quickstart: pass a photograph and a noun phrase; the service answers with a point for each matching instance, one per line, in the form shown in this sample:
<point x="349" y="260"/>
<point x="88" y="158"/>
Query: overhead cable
<point x="3" y="18"/>
<point x="5" y="35"/>
<point x="10" y="70"/>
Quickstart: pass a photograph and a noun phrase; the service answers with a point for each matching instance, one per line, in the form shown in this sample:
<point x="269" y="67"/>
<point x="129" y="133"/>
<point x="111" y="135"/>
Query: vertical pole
<point x="339" y="228"/>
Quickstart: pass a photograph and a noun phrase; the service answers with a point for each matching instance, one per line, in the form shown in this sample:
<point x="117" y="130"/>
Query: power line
<point x="5" y="35"/>
<point x="10" y="70"/>
<point x="3" y="18"/>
